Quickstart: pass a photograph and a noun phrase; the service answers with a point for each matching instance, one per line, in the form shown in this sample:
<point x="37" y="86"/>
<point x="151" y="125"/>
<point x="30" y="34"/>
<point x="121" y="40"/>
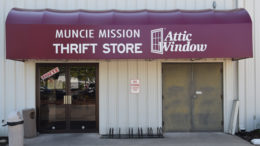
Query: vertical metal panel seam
<point x="96" y="5"/>
<point x="175" y="4"/>
<point x="4" y="16"/>
<point x="65" y="4"/>
<point x="257" y="63"/>
<point x="107" y="90"/>
<point x="235" y="4"/>
<point x="76" y="4"/>
<point x="245" y="98"/>
<point x="229" y="93"/>
<point x="252" y="60"/>
<point x="4" y="98"/>
<point x="166" y="4"/>
<point x="15" y="85"/>
<point x="160" y="95"/>
<point x="245" y="95"/>
<point x="55" y="3"/>
<point x="45" y="4"/>
<point x="237" y="82"/>
<point x="234" y="79"/>
<point x="137" y="95"/>
<point x="245" y="89"/>
<point x="254" y="36"/>
<point x="145" y="2"/>
<point x="117" y="94"/>
<point x="136" y="5"/>
<point x="241" y="80"/>
<point x="116" y="4"/>
<point x="4" y="73"/>
<point x="157" y="6"/>
<point x="246" y="80"/>
<point x="2" y="48"/>
<point x="146" y="96"/>
<point x="127" y="70"/>
<point x="105" y="5"/>
<point x="34" y="77"/>
<point x="35" y="4"/>
<point x="225" y="93"/>
<point x="25" y="81"/>
<point x="158" y="92"/>
<point x="127" y="4"/>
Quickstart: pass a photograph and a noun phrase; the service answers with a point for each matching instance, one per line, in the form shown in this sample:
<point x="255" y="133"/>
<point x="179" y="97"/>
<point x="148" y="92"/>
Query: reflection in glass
<point x="83" y="92"/>
<point x="52" y="91"/>
<point x="75" y="112"/>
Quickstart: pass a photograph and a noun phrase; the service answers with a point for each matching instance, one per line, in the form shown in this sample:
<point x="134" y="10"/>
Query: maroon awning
<point x="51" y="34"/>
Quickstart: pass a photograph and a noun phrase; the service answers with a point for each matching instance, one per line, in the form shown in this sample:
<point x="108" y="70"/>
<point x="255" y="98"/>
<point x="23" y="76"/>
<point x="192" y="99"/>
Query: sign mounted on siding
<point x="135" y="86"/>
<point x="46" y="34"/>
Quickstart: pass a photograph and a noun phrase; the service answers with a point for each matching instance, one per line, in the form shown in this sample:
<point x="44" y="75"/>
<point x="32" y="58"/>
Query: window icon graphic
<point x="156" y="41"/>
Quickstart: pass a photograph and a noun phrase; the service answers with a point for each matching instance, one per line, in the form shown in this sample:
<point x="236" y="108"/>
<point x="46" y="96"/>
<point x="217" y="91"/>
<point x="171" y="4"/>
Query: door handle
<point x="196" y="94"/>
<point x="65" y="99"/>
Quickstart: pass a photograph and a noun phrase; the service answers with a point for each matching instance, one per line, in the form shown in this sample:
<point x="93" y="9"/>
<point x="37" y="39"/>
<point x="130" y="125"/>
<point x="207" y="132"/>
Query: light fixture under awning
<point x="52" y="34"/>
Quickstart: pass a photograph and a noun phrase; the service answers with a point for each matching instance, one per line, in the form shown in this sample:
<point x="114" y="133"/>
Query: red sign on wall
<point x="135" y="86"/>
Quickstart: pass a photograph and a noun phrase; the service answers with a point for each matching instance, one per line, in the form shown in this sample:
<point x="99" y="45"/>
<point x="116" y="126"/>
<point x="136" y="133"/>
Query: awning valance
<point x="51" y="34"/>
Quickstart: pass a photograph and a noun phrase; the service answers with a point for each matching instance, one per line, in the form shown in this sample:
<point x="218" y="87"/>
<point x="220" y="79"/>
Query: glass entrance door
<point x="67" y="99"/>
<point x="83" y="97"/>
<point x="52" y="105"/>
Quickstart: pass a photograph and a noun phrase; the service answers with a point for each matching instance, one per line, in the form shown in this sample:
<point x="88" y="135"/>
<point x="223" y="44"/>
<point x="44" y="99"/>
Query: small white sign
<point x="198" y="92"/>
<point x="135" y="86"/>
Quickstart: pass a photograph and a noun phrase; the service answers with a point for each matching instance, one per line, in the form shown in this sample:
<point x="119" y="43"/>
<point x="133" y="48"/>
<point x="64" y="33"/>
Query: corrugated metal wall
<point x="17" y="79"/>
<point x="249" y="74"/>
<point x="121" y="109"/>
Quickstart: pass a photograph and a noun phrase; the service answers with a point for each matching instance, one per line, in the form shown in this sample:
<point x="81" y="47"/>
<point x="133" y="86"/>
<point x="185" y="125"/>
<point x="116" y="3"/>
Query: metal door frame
<point x="67" y="107"/>
<point x="222" y="99"/>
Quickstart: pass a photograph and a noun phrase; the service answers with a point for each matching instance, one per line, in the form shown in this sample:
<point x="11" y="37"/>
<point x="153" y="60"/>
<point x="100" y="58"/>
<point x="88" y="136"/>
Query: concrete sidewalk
<point x="171" y="139"/>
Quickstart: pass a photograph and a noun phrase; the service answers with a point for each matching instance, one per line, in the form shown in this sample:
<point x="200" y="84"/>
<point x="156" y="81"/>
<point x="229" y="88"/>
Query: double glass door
<point x="67" y="99"/>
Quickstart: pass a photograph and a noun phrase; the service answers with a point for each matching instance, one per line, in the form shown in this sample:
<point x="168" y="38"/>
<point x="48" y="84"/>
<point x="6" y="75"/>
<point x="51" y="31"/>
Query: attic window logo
<point x="173" y="42"/>
<point x="156" y="41"/>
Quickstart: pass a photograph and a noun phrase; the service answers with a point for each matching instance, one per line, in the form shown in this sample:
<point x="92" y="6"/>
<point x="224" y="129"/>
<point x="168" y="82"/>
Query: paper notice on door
<point x="50" y="73"/>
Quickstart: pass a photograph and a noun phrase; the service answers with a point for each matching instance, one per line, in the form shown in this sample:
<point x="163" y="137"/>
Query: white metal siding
<point x="121" y="109"/>
<point x="17" y="79"/>
<point x="249" y="74"/>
